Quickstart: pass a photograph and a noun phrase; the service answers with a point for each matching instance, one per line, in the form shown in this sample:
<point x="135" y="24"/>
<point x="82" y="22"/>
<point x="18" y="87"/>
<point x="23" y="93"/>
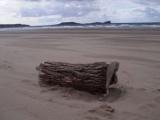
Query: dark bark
<point x="86" y="77"/>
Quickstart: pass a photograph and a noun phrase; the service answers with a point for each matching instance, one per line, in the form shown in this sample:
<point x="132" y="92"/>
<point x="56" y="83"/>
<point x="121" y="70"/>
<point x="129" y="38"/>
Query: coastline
<point x="137" y="50"/>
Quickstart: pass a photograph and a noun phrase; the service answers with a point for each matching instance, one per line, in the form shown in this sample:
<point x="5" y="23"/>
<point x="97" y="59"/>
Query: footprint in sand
<point x="102" y="111"/>
<point x="30" y="82"/>
<point x="5" y="65"/>
<point x="157" y="99"/>
<point x="132" y="116"/>
<point x="147" y="107"/>
<point x="151" y="109"/>
<point x="92" y="118"/>
<point x="127" y="77"/>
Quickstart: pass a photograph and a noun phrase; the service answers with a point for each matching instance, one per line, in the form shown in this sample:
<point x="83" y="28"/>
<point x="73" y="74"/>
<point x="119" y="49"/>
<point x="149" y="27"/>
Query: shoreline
<point x="76" y="28"/>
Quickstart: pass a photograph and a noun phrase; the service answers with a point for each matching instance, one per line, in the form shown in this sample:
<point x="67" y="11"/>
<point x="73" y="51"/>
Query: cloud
<point x="148" y="2"/>
<point x="54" y="11"/>
<point x="151" y="14"/>
<point x="71" y="8"/>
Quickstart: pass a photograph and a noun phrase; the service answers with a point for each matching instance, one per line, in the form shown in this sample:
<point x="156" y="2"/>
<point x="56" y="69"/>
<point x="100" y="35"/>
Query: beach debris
<point x="92" y="77"/>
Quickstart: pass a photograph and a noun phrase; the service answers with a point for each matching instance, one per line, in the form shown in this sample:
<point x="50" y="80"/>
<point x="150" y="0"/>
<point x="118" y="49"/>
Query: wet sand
<point x="136" y="98"/>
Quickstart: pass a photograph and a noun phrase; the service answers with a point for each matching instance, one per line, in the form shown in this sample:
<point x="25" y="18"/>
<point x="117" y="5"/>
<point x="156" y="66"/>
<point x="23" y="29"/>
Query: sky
<point x="45" y="12"/>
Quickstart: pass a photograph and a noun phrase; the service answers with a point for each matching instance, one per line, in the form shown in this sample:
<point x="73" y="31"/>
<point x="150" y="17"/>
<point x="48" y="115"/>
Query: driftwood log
<point x="93" y="78"/>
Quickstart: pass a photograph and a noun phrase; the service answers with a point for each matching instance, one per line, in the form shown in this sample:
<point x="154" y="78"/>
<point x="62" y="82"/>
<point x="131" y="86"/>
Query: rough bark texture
<point x="86" y="77"/>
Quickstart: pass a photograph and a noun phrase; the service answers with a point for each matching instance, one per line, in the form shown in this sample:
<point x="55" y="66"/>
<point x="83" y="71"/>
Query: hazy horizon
<point x="45" y="12"/>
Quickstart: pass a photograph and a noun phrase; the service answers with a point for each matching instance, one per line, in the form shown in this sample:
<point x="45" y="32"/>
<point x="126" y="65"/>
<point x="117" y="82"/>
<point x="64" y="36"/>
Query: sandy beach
<point x="136" y="98"/>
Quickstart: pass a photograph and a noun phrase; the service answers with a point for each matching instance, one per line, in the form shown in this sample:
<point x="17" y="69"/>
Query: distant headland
<point x="60" y="24"/>
<point x="13" y="25"/>
<point x="81" y="24"/>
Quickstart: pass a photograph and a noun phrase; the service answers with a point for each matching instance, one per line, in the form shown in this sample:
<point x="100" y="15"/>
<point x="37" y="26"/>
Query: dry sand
<point x="138" y="95"/>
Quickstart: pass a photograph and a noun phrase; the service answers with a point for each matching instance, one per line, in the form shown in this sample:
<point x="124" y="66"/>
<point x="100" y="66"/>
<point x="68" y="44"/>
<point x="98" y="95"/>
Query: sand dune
<point x="136" y="98"/>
